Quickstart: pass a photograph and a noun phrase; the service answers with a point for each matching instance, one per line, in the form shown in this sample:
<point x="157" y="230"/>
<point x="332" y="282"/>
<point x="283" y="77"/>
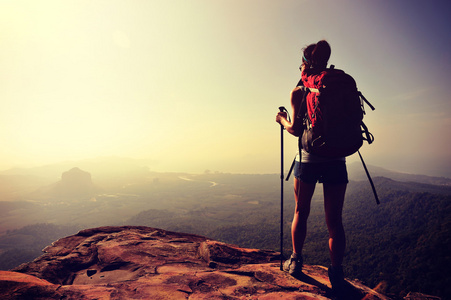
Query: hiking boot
<point x="294" y="264"/>
<point x="337" y="279"/>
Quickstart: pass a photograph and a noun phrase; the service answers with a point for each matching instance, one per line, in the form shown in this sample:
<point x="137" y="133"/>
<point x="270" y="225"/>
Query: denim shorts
<point x="333" y="172"/>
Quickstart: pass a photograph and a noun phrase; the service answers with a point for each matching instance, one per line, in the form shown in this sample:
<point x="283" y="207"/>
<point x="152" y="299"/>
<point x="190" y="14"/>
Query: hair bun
<point x="321" y="54"/>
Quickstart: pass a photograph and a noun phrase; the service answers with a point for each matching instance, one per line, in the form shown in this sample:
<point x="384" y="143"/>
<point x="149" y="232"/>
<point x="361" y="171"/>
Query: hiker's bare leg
<point x="303" y="193"/>
<point x="334" y="195"/>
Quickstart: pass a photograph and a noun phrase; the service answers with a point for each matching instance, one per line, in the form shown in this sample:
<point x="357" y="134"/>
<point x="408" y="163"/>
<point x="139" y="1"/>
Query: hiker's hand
<point x="281" y="115"/>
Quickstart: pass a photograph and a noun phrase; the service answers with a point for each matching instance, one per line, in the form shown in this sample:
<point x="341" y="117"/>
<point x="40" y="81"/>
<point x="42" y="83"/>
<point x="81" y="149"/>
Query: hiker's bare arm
<point x="295" y="126"/>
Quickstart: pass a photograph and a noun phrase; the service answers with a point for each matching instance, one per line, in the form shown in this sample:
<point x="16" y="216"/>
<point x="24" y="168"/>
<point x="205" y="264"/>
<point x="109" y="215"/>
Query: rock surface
<point x="147" y="263"/>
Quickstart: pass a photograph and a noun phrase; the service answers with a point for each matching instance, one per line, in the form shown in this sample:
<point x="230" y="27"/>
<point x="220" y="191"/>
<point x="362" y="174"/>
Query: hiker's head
<point x="307" y="55"/>
<point x="316" y="55"/>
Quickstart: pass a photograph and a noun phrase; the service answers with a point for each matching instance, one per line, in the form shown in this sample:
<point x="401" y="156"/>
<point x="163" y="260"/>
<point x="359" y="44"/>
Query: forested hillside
<point x="405" y="241"/>
<point x="25" y="244"/>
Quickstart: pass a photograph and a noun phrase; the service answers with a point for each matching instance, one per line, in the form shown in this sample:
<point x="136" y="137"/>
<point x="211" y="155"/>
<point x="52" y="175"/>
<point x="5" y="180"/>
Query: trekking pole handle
<point x="283" y="109"/>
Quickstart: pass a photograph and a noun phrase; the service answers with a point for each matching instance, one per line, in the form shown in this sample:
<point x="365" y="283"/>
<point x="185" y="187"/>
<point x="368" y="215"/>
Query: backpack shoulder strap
<point x="313" y="90"/>
<point x="366" y="101"/>
<point x="367" y="135"/>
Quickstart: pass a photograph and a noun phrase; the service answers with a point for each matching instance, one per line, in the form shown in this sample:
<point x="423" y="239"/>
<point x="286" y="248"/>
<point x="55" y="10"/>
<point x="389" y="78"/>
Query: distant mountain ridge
<point x="105" y="166"/>
<point x="118" y="166"/>
<point x="357" y="172"/>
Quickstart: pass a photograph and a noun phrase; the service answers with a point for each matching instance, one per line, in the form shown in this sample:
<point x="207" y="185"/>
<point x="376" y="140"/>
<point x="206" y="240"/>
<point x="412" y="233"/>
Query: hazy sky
<point x="195" y="84"/>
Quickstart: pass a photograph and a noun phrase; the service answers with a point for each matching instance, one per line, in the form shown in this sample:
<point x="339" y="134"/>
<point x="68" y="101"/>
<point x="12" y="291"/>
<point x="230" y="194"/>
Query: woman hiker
<point x="310" y="169"/>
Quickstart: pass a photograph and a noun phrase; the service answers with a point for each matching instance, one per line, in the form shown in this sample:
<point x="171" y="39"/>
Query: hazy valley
<point x="403" y="242"/>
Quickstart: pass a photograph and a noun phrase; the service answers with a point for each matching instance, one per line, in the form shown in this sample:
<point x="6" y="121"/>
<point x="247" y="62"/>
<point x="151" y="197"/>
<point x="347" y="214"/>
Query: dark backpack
<point x="333" y="126"/>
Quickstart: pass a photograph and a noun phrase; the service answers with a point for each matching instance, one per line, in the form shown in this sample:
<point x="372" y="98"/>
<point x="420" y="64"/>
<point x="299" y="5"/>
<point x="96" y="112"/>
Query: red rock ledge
<point x="133" y="262"/>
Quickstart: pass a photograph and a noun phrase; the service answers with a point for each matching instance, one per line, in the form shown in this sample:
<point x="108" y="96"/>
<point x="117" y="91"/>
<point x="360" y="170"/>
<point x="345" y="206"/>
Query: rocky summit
<point x="133" y="262"/>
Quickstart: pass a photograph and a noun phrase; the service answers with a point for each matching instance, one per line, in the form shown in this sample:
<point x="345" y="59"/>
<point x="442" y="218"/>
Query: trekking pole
<point x="369" y="178"/>
<point x="281" y="109"/>
<point x="291" y="169"/>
